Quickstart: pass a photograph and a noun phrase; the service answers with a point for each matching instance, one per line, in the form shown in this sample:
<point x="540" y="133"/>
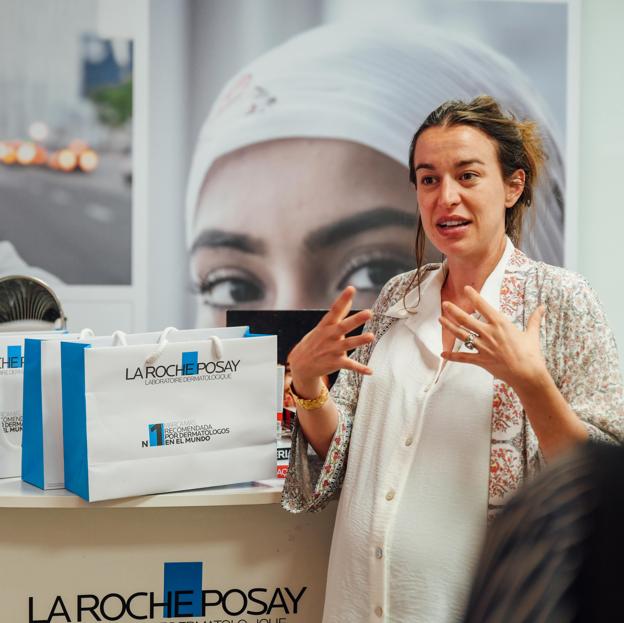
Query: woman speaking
<point x="469" y="375"/>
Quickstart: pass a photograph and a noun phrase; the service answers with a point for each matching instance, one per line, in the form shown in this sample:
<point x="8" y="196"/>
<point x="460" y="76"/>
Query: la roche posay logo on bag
<point x="12" y="362"/>
<point x="190" y="369"/>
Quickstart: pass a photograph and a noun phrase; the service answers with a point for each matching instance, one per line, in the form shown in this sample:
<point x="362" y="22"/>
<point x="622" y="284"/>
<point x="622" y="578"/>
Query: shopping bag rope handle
<point x="119" y="338"/>
<point x="217" y="346"/>
<point x="162" y="342"/>
<point x="86" y="333"/>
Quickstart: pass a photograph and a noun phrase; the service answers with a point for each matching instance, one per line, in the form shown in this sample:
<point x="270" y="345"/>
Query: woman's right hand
<point x="324" y="349"/>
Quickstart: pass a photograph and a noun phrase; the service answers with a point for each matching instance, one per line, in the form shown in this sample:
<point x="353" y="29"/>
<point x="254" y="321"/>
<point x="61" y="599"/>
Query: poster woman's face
<point x="287" y="224"/>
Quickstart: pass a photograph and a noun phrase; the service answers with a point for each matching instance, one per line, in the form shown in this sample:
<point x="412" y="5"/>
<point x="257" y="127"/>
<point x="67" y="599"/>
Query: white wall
<point x="162" y="118"/>
<point x="601" y="166"/>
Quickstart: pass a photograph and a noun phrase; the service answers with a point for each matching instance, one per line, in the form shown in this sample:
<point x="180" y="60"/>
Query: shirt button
<point x="390" y="495"/>
<point x="425" y="389"/>
<point x="379" y="611"/>
<point x="409" y="441"/>
<point x="378" y="552"/>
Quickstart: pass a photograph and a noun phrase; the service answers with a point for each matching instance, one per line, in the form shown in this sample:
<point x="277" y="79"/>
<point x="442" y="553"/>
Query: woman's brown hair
<point x="518" y="144"/>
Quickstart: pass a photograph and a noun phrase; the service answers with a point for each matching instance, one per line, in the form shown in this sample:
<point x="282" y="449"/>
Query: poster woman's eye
<point x="229" y="289"/>
<point x="371" y="274"/>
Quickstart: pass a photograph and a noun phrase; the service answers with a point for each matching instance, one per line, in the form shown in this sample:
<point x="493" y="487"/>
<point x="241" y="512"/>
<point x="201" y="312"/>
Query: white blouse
<point x="413" y="507"/>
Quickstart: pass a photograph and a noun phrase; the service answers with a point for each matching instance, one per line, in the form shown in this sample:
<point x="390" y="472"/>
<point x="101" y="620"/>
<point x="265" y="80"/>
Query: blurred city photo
<point x="65" y="145"/>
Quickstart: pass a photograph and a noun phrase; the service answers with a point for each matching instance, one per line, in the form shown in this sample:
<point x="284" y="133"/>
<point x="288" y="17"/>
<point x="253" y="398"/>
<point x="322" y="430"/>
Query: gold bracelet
<point x="314" y="403"/>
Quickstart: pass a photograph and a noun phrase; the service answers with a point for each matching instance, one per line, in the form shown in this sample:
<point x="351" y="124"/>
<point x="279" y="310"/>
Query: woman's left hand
<point x="509" y="354"/>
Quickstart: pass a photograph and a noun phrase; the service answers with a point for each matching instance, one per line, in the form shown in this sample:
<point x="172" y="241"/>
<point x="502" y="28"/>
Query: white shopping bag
<point x="42" y="436"/>
<point x="11" y="382"/>
<point x="150" y="418"/>
<point x="42" y="432"/>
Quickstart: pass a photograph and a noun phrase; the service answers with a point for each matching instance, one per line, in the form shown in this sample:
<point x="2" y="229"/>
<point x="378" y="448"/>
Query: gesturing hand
<point x="509" y="354"/>
<point x="324" y="349"/>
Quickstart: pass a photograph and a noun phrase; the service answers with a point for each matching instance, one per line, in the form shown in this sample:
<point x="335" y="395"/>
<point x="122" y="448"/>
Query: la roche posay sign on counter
<point x="188" y="420"/>
<point x="186" y="594"/>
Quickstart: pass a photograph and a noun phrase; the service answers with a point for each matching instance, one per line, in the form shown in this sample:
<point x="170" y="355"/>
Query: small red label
<point x="281" y="471"/>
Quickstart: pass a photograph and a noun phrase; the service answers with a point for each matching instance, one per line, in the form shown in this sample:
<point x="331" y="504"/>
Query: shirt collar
<point x="432" y="283"/>
<point x="492" y="286"/>
<point x="421" y="316"/>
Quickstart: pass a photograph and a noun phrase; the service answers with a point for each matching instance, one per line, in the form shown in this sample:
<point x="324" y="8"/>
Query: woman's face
<point x="462" y="195"/>
<point x="287" y="224"/>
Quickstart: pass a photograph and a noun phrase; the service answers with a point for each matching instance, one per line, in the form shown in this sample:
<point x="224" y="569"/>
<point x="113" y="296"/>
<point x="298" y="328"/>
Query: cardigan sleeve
<point x="586" y="363"/>
<point x="311" y="483"/>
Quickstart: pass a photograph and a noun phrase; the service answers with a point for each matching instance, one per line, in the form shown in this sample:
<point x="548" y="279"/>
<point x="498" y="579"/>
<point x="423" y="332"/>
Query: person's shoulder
<point x="567" y="291"/>
<point x="562" y="281"/>
<point x="548" y="278"/>
<point x="561" y="277"/>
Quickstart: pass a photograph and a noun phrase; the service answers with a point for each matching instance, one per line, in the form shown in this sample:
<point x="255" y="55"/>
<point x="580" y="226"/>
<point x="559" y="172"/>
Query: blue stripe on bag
<point x="32" y="422"/>
<point x="75" y="418"/>
<point x="248" y="333"/>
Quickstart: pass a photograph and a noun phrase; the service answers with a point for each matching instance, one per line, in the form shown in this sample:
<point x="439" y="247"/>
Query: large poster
<point x="270" y="141"/>
<point x="298" y="184"/>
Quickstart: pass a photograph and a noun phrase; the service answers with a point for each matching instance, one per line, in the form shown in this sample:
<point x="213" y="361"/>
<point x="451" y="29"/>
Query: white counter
<point x="57" y="550"/>
<point x="15" y="493"/>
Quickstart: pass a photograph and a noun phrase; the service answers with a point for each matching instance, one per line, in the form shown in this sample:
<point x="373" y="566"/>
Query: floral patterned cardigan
<point x="580" y="353"/>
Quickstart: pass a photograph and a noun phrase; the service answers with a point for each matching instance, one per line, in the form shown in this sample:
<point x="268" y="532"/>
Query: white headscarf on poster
<point x="374" y="84"/>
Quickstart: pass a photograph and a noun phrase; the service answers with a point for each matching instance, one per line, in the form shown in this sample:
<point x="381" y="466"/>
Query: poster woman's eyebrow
<point x="217" y="238"/>
<point x="358" y="223"/>
<point x="457" y="165"/>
